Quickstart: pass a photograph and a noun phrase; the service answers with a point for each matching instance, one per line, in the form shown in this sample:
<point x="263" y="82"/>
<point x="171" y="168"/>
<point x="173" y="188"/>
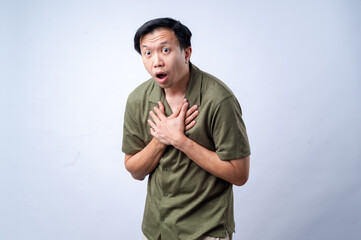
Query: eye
<point x="147" y="53"/>
<point x="165" y="50"/>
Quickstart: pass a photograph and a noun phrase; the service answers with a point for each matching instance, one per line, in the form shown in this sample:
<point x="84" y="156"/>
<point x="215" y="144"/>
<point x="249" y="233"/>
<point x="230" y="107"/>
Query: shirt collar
<point x="193" y="94"/>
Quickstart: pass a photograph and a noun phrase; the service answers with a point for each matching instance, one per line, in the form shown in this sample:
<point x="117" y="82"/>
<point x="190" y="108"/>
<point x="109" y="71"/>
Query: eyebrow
<point x="161" y="43"/>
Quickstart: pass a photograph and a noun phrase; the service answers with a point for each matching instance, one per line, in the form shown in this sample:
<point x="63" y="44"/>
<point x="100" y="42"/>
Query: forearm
<point x="234" y="171"/>
<point x="144" y="162"/>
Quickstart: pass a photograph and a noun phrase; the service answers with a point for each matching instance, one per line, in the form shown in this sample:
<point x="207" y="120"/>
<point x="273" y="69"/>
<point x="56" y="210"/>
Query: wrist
<point x="158" y="145"/>
<point x="180" y="142"/>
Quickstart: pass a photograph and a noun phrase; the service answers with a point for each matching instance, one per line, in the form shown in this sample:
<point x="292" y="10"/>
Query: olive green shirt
<point x="183" y="200"/>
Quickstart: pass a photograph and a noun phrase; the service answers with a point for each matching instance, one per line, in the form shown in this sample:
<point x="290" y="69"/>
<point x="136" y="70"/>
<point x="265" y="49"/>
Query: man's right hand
<point x="144" y="162"/>
<point x="169" y="129"/>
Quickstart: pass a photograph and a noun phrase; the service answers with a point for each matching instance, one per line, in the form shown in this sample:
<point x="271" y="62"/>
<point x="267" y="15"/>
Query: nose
<point x="158" y="61"/>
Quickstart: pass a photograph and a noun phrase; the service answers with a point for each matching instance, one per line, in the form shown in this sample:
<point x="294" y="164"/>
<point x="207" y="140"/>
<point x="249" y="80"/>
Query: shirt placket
<point x="164" y="213"/>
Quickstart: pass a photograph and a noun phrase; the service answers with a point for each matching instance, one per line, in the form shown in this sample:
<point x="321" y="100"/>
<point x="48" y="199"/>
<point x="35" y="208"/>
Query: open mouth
<point x="161" y="75"/>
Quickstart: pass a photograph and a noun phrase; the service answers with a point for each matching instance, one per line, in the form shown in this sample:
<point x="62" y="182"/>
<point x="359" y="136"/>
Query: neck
<point x="175" y="94"/>
<point x="180" y="89"/>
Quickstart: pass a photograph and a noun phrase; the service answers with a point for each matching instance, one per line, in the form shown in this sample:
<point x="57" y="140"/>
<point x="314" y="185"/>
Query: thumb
<point x="178" y="110"/>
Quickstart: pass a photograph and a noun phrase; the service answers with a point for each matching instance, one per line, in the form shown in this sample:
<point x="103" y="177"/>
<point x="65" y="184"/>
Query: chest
<point x="174" y="103"/>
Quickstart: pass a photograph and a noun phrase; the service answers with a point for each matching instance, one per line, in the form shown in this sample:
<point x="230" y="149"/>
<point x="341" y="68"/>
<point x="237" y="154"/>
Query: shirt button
<point x="162" y="219"/>
<point x="165" y="194"/>
<point x="166" y="169"/>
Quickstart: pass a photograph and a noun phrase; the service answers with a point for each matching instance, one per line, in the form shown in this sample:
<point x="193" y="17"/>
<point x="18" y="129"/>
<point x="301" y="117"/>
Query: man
<point x="193" y="155"/>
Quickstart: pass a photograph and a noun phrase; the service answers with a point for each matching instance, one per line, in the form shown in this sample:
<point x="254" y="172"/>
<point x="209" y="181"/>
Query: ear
<point x="188" y="53"/>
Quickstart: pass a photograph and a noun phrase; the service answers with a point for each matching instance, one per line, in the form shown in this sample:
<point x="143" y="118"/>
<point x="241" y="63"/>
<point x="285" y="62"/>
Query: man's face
<point x="163" y="58"/>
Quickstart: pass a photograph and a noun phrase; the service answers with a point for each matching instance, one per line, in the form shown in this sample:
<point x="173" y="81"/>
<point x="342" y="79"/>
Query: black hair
<point x="182" y="33"/>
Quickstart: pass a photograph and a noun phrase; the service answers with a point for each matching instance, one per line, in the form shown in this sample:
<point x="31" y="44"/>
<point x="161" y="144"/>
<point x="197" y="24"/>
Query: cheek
<point x="179" y="64"/>
<point x="176" y="62"/>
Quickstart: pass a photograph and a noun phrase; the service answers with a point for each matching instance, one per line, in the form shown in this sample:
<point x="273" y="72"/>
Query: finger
<point x="152" y="132"/>
<point x="161" y="106"/>
<point x="178" y="109"/>
<point x="159" y="113"/>
<point x="176" y="112"/>
<point x="190" y="125"/>
<point x="152" y="124"/>
<point x="183" y="111"/>
<point x="154" y="117"/>
<point x="191" y="117"/>
<point x="191" y="110"/>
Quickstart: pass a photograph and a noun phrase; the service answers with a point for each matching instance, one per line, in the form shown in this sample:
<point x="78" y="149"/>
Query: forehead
<point x="159" y="36"/>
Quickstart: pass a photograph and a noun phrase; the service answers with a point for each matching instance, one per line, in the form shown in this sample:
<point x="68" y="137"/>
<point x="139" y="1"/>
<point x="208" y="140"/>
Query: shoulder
<point x="140" y="93"/>
<point x="214" y="88"/>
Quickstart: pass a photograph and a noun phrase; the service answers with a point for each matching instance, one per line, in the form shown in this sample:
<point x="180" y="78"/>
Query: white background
<point x="67" y="67"/>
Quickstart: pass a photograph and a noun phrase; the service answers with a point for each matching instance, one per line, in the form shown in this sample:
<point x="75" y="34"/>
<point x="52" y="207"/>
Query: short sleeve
<point x="229" y="131"/>
<point x="132" y="137"/>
